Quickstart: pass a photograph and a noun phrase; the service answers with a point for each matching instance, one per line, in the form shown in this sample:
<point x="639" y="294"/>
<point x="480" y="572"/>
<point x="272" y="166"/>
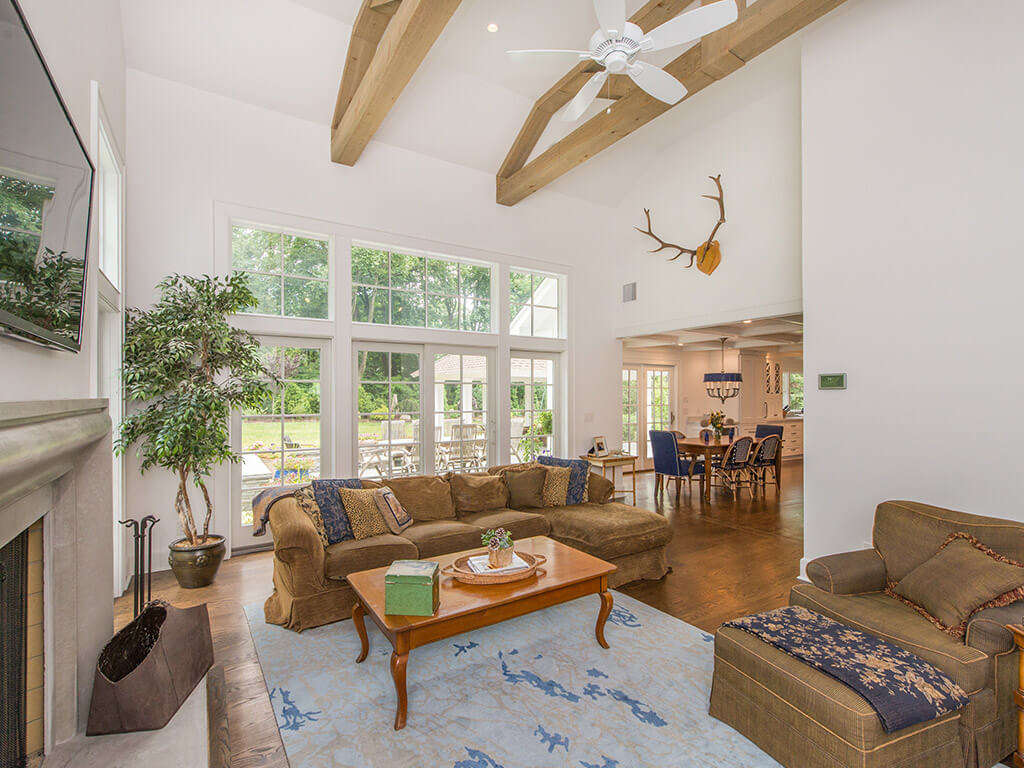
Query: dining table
<point x="692" y="446"/>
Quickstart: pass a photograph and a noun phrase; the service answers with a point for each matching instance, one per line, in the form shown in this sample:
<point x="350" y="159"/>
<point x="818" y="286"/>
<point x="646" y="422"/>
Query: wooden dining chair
<point x="734" y="471"/>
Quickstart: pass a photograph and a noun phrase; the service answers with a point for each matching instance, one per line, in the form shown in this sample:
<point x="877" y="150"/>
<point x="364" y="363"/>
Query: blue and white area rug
<point x="533" y="692"/>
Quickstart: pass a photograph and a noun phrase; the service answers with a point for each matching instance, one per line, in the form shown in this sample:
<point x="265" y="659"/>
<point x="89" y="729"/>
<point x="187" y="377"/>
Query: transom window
<point x="289" y="273"/>
<point x="392" y="288"/>
<point x="535" y="304"/>
<point x="533" y="407"/>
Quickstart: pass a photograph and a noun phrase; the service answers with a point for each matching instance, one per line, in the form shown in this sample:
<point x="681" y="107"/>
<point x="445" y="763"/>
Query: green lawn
<point x="304" y="432"/>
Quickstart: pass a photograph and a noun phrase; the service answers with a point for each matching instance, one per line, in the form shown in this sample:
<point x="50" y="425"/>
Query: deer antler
<point x="662" y="244"/>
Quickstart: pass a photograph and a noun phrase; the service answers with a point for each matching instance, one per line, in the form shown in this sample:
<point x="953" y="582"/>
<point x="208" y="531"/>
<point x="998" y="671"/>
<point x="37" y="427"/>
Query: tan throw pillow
<point x="425" y="497"/>
<point x="478" y="492"/>
<point x="959" y="580"/>
<point x="391" y="509"/>
<point x="363" y="515"/>
<point x="599" y="489"/>
<point x="306" y="500"/>
<point x="526" y="487"/>
<point x="556" y="486"/>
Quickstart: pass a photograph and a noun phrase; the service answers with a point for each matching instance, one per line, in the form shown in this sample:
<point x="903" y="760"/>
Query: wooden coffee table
<point x="569" y="574"/>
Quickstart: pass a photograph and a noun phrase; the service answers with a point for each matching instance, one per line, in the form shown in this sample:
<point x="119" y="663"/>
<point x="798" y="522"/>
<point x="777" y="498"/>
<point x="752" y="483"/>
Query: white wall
<point x="913" y="270"/>
<point x="747" y="128"/>
<point x="81" y="42"/>
<point x="192" y="149"/>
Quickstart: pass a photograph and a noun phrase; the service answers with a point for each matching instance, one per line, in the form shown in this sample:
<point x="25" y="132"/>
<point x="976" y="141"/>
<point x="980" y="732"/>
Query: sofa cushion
<point x="599" y="489"/>
<point x="375" y="552"/>
<point x="425" y="497"/>
<point x="556" y="486"/>
<point x="306" y="500"/>
<point x="442" y="537"/>
<point x="331" y="508"/>
<point x="906" y="533"/>
<point x="961" y="578"/>
<point x="477" y="492"/>
<point x="891" y="620"/>
<point x="525" y="487"/>
<point x="580" y="470"/>
<point x="364" y="517"/>
<point x="391" y="510"/>
<point x="608" y="530"/>
<point x="520" y="524"/>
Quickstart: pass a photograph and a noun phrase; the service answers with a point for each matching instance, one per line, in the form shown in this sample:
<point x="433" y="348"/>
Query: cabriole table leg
<point x="1018" y="696"/>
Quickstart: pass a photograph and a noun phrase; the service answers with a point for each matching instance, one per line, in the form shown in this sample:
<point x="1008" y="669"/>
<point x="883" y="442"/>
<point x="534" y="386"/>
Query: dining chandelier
<point x="723" y="385"/>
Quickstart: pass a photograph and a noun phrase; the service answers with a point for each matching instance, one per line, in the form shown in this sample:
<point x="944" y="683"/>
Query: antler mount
<point x="707" y="255"/>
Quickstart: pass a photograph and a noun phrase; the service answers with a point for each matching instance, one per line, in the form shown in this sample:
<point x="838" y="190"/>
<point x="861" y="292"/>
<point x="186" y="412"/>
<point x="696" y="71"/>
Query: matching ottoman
<point x="807" y="719"/>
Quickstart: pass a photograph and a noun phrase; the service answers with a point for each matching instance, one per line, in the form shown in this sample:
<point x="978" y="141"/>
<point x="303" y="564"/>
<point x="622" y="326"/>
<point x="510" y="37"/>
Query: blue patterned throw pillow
<point x="332" y="510"/>
<point x="577" y="478"/>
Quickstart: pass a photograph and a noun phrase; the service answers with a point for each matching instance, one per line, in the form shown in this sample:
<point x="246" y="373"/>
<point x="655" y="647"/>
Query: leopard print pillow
<point x="556" y="486"/>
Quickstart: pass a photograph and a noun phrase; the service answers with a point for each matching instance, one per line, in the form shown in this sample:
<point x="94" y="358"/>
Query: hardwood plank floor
<point x="729" y="558"/>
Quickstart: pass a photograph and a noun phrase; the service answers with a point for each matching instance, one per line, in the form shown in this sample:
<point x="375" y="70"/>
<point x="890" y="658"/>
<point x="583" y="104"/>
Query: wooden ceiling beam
<point x="759" y="27"/>
<point x="390" y="38"/>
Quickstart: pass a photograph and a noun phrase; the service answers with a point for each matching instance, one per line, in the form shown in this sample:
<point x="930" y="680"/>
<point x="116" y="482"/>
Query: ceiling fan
<point x="618" y="43"/>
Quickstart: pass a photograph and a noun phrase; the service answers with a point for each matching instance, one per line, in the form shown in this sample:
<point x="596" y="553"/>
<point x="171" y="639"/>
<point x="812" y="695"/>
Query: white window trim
<point x="345" y="334"/>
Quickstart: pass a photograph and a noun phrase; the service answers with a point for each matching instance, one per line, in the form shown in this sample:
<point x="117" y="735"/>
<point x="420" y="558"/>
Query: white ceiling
<point x="464" y="105"/>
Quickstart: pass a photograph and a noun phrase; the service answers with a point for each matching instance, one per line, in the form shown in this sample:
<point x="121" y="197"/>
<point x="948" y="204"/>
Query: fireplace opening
<point x="21" y="649"/>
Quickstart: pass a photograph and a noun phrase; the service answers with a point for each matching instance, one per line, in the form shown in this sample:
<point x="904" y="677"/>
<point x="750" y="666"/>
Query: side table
<point x="612" y="462"/>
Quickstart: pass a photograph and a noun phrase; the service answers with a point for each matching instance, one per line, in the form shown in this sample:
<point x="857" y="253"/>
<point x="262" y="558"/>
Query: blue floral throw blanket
<point x="903" y="689"/>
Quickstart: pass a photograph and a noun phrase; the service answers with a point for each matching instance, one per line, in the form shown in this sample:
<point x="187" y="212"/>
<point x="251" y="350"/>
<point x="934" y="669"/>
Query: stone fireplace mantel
<point x="55" y="465"/>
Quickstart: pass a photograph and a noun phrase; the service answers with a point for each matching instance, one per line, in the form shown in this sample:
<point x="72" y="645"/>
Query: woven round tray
<point x="460" y="571"/>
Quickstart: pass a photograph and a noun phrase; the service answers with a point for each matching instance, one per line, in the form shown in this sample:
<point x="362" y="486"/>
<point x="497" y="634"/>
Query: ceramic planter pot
<point x="196" y="566"/>
<point x="499" y="558"/>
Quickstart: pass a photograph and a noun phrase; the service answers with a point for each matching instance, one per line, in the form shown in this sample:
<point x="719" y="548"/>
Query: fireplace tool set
<point x="142" y="533"/>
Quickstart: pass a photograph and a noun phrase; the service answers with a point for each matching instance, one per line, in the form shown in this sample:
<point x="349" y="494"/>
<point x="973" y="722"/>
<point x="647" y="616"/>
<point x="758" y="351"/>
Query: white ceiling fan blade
<point x="657" y="82"/>
<point x="582" y="54"/>
<point x="611" y="15"/>
<point x="691" y="26"/>
<point x="584" y="98"/>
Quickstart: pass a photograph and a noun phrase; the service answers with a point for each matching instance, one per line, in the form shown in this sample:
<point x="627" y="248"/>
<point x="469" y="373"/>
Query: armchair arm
<point x="987" y="630"/>
<point x="297" y="549"/>
<point x="848" y="573"/>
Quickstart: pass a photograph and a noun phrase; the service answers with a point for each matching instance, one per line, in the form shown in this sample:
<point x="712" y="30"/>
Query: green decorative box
<point x="411" y="588"/>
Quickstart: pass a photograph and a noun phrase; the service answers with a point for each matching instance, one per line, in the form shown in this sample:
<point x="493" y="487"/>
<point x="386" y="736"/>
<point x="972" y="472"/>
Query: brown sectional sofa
<point x="309" y="579"/>
<point x="848" y="587"/>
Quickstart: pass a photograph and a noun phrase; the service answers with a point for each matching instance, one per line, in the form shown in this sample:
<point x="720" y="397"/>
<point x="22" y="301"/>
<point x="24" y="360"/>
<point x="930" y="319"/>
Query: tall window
<point x="391" y="288"/>
<point x="535" y="301"/>
<point x="793" y="391"/>
<point x="533" y="407"/>
<point x="460" y="412"/>
<point x="109" y="184"/>
<point x="630" y="410"/>
<point x="281" y="440"/>
<point x="389" y="403"/>
<point x="288" y="273"/>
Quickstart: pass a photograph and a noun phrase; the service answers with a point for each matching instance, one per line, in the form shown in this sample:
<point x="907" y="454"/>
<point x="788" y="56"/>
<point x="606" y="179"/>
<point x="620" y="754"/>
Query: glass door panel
<point x="389" y="413"/>
<point x="532" y="398"/>
<point x="657" y="402"/>
<point x="630" y="410"/>
<point x="461" y="406"/>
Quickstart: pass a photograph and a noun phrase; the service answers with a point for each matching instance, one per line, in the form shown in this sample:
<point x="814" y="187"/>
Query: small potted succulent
<point x="499" y="547"/>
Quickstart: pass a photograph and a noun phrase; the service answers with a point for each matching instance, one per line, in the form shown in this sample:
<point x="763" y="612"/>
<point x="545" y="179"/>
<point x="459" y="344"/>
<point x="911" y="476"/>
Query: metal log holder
<point x="142" y="535"/>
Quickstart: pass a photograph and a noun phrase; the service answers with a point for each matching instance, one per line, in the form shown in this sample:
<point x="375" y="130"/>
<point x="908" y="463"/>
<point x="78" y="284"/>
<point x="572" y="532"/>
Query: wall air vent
<point x="629" y="292"/>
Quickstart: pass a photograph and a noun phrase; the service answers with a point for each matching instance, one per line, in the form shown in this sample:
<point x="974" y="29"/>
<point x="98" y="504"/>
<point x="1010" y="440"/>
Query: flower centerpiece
<point x="499" y="547"/>
<point x="717" y="422"/>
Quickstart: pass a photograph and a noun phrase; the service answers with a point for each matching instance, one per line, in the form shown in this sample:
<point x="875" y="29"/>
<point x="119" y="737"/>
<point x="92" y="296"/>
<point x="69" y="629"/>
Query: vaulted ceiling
<point x="464" y="104"/>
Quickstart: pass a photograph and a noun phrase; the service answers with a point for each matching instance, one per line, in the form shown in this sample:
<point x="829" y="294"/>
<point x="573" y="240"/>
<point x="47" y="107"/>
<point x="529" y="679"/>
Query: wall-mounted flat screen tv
<point x="45" y="195"/>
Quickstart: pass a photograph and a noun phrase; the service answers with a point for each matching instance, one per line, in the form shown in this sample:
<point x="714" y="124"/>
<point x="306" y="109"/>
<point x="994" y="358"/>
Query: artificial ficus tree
<point x="188" y="368"/>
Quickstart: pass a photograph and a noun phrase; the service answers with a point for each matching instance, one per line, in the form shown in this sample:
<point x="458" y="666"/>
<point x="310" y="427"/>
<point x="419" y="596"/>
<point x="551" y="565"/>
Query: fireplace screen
<point x="13" y="609"/>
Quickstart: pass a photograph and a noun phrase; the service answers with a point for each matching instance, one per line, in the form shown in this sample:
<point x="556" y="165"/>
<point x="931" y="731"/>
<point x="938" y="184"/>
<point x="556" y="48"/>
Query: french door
<point x="286" y="440"/>
<point x="648" y="397"/>
<point x="422" y="409"/>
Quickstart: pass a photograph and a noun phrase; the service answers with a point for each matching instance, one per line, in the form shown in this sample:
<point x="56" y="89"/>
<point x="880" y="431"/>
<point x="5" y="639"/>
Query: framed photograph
<point x="600" y="446"/>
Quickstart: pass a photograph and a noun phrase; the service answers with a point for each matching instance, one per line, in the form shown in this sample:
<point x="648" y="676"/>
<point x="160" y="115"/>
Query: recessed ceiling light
<point x="492" y="27"/>
<point x="747" y="322"/>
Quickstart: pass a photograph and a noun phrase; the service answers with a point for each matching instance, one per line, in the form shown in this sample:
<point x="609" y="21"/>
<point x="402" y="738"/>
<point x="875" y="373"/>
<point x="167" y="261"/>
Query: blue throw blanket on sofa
<point x="903" y="689"/>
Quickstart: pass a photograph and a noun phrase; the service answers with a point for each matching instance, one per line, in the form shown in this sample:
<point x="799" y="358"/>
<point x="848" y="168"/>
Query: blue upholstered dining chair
<point x="668" y="463"/>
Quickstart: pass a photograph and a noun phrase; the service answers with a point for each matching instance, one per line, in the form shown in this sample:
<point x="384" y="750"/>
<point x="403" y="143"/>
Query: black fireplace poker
<point x="142" y="535"/>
